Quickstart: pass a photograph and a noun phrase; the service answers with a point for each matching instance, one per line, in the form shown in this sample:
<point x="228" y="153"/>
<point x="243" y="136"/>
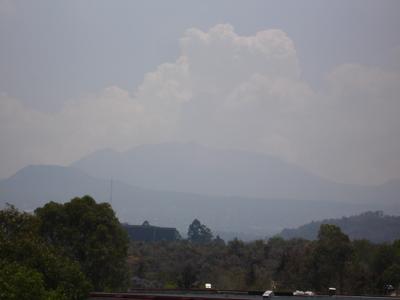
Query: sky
<point x="316" y="83"/>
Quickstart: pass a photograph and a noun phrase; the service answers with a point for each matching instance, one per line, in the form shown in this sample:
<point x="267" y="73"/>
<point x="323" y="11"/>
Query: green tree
<point x="20" y="283"/>
<point x="392" y="275"/>
<point x="332" y="252"/>
<point x="293" y="261"/>
<point x="384" y="259"/>
<point x="90" y="234"/>
<point x="359" y="275"/>
<point x="199" y="233"/>
<point x="33" y="262"/>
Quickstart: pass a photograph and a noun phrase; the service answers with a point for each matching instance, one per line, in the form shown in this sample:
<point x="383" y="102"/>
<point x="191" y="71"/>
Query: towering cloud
<point x="227" y="90"/>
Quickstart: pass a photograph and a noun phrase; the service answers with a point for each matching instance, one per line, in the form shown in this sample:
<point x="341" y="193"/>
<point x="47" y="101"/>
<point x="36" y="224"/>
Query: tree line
<point x="63" y="251"/>
<point x="357" y="267"/>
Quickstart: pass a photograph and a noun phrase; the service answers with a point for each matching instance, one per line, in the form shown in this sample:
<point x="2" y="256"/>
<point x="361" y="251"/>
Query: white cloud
<point x="220" y="59"/>
<point x="231" y="91"/>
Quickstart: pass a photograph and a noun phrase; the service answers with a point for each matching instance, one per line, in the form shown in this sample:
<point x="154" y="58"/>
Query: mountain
<point x="192" y="168"/>
<point x="33" y="186"/>
<point x="373" y="226"/>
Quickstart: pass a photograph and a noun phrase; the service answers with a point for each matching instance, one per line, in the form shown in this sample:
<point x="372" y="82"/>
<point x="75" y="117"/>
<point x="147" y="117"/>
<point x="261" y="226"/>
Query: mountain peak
<point x="34" y="169"/>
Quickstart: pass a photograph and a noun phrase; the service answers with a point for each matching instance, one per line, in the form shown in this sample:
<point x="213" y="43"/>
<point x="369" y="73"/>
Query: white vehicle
<point x="268" y="294"/>
<point x="298" y="293"/>
<point x="309" y="293"/>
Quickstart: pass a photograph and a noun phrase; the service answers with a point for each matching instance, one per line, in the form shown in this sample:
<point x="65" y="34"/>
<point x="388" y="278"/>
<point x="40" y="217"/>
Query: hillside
<point x="373" y="226"/>
<point x="193" y="168"/>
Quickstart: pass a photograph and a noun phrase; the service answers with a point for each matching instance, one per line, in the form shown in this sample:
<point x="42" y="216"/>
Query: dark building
<point x="149" y="233"/>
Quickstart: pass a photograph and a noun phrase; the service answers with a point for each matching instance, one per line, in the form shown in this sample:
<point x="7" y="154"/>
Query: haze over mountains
<point x="171" y="184"/>
<point x="189" y="167"/>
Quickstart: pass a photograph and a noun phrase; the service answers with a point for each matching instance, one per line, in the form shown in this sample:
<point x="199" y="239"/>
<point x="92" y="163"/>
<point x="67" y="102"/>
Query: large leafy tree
<point x="91" y="234"/>
<point x="30" y="268"/>
<point x="332" y="252"/>
<point x="199" y="233"/>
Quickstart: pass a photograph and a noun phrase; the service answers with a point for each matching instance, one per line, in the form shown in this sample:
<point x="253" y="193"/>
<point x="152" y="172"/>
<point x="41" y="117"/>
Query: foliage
<point x="37" y="268"/>
<point x="354" y="267"/>
<point x="63" y="249"/>
<point x="20" y="283"/>
<point x="90" y="234"/>
<point x="332" y="252"/>
<point x="199" y="233"/>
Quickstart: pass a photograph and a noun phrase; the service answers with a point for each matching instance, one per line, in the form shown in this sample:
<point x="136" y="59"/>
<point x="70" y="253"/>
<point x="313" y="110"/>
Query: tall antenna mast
<point x="111" y="191"/>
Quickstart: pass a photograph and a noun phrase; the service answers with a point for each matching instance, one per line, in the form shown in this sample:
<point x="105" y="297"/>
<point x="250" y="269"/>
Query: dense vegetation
<point x="354" y="267"/>
<point x="373" y="226"/>
<point x="62" y="251"/>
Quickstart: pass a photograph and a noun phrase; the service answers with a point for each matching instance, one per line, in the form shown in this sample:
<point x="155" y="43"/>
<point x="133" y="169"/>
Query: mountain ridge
<point x="193" y="168"/>
<point x="33" y="186"/>
<point x="374" y="226"/>
<point x="171" y="184"/>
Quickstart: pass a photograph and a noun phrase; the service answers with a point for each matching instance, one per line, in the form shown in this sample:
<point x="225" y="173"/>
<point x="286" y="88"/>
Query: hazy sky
<point x="313" y="82"/>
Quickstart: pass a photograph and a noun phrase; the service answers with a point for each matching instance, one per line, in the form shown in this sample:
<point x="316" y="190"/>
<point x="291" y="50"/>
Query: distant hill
<point x="373" y="226"/>
<point x="193" y="168"/>
<point x="33" y="186"/>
